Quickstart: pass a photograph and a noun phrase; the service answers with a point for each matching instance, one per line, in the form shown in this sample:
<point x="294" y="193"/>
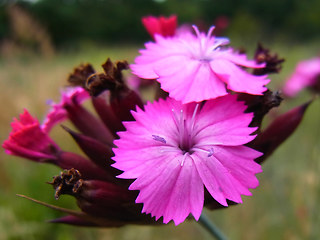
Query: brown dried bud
<point x="69" y="182"/>
<point x="272" y="61"/>
<point x="260" y="105"/>
<point x="80" y="75"/>
<point x="111" y="79"/>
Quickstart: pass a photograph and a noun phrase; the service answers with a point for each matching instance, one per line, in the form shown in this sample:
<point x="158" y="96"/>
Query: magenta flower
<point x="58" y="113"/>
<point x="29" y="140"/>
<point x="173" y="150"/>
<point x="160" y="25"/>
<point x="196" y="68"/>
<point x="306" y="74"/>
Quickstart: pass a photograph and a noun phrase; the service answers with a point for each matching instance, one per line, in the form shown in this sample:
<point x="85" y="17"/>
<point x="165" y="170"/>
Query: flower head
<point x="58" y="113"/>
<point x="174" y="150"/>
<point x="197" y="67"/>
<point x="29" y="140"/>
<point x="160" y="25"/>
<point x="306" y="74"/>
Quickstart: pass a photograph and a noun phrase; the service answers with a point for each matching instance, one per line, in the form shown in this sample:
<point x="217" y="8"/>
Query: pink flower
<point x="196" y="68"/>
<point x="58" y="113"/>
<point x="306" y="74"/>
<point x="29" y="140"/>
<point x="174" y="150"/>
<point x="160" y="25"/>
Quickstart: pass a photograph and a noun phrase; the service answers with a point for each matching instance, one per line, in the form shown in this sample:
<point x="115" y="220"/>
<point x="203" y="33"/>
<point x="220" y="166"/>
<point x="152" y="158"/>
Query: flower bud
<point x="100" y="199"/>
<point x="89" y="170"/>
<point x="160" y="25"/>
<point x="278" y="131"/>
<point x="89" y="124"/>
<point x="98" y="152"/>
<point x="106" y="114"/>
<point x="76" y="221"/>
<point x="273" y="62"/>
<point x="29" y="140"/>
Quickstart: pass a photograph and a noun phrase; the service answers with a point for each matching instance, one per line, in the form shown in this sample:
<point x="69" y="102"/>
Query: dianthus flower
<point x="29" y="140"/>
<point x="197" y="67"/>
<point x="58" y="113"/>
<point x="165" y="26"/>
<point x="174" y="150"/>
<point x="306" y="74"/>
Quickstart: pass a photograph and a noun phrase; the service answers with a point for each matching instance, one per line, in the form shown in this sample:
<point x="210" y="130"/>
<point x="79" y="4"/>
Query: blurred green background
<point x="40" y="43"/>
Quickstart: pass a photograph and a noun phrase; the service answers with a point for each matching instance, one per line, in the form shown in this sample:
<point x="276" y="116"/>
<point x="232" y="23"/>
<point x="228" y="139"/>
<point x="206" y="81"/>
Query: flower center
<point x="207" y="44"/>
<point x="185" y="133"/>
<point x="185" y="130"/>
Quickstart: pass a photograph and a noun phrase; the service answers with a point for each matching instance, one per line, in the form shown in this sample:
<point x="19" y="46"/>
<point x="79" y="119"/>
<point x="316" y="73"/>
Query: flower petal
<point x="237" y="79"/>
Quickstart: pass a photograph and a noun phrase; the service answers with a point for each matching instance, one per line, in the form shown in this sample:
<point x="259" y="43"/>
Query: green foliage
<point x="73" y="21"/>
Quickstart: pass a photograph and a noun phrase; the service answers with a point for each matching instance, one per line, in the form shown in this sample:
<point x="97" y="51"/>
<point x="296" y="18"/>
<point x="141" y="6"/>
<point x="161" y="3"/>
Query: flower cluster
<point x="200" y="143"/>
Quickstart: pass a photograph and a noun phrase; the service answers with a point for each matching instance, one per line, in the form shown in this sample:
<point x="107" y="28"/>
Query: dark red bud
<point x="89" y="170"/>
<point x="106" y="114"/>
<point x="260" y="105"/>
<point x="278" y="131"/>
<point x="123" y="101"/>
<point x="73" y="220"/>
<point x="97" y="151"/>
<point x="89" y="124"/>
<point x="105" y="193"/>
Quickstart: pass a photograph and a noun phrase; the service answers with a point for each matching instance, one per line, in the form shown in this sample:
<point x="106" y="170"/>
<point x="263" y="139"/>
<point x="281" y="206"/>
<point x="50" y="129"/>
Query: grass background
<point x="284" y="206"/>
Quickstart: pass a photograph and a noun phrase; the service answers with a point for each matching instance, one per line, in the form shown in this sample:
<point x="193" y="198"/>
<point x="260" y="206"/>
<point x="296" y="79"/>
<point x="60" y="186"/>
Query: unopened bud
<point x="278" y="131"/>
<point x="97" y="151"/>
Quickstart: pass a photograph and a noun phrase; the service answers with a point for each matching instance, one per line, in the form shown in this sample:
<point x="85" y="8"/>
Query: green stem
<point x="211" y="228"/>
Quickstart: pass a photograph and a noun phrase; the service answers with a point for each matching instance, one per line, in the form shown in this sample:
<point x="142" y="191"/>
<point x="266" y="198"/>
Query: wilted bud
<point x="272" y="61"/>
<point x="100" y="199"/>
<point x="80" y="75"/>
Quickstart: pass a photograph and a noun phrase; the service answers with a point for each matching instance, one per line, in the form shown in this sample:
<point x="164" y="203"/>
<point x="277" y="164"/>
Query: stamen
<point x="159" y="139"/>
<point x="181" y="128"/>
<point x="184" y="158"/>
<point x="194" y="116"/>
<point x="221" y="41"/>
<point x="195" y="28"/>
<point x="175" y="118"/>
<point x="210" y="31"/>
<point x="210" y="152"/>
